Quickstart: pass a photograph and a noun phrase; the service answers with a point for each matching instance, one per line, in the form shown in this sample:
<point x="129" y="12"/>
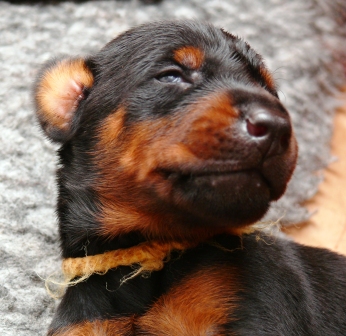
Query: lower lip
<point x="236" y="179"/>
<point x="212" y="176"/>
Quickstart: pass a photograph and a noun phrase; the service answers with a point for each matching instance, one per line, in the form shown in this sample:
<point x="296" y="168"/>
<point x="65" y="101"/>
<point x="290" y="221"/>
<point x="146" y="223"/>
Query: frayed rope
<point x="150" y="256"/>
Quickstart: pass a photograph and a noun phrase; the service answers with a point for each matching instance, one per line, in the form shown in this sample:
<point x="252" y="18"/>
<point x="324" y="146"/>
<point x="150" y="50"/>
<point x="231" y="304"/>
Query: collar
<point x="150" y="256"/>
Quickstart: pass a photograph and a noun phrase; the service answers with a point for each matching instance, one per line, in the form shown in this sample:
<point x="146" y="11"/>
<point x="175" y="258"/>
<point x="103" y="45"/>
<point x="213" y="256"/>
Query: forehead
<point x="127" y="62"/>
<point x="177" y="40"/>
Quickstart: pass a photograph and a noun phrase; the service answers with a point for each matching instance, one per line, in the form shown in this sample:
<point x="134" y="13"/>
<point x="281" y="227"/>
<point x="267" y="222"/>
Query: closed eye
<point x="172" y="77"/>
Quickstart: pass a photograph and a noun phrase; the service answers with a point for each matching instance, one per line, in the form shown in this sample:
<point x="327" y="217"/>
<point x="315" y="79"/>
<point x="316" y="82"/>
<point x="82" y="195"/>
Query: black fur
<point x="124" y="68"/>
<point x="285" y="288"/>
<point x="288" y="289"/>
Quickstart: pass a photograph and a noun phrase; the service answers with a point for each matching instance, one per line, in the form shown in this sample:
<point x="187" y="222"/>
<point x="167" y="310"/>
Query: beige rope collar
<point x="150" y="256"/>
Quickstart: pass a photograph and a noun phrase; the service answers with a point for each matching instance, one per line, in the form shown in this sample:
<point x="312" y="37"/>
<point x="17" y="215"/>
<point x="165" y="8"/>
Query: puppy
<point x="173" y="143"/>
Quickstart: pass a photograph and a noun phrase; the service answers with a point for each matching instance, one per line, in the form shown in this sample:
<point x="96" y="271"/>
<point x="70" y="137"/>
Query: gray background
<point x="303" y="43"/>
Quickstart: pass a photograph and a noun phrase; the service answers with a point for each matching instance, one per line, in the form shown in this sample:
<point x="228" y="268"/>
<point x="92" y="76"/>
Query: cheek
<point x="139" y="154"/>
<point x="210" y="134"/>
<point x="108" y="148"/>
<point x="130" y="161"/>
<point x="201" y="132"/>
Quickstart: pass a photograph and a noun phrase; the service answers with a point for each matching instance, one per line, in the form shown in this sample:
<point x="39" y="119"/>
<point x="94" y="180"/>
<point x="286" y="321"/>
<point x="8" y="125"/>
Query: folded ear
<point x="58" y="93"/>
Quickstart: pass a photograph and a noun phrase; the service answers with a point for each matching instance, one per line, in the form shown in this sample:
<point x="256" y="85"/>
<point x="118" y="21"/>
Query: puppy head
<point x="180" y="134"/>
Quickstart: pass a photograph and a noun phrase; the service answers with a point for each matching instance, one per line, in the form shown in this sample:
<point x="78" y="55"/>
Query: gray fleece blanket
<point x="303" y="43"/>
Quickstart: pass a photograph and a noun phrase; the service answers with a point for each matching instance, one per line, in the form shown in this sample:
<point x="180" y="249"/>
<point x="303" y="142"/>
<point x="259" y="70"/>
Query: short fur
<point x="180" y="137"/>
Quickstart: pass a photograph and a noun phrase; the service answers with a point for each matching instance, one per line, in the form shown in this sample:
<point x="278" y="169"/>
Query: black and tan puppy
<point x="173" y="142"/>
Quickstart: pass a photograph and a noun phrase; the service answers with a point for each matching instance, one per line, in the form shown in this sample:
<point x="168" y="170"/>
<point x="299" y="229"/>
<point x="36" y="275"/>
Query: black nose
<point x="269" y="129"/>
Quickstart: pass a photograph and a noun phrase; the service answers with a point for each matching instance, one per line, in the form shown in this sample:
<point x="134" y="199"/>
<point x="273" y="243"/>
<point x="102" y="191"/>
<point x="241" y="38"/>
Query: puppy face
<point x="172" y="129"/>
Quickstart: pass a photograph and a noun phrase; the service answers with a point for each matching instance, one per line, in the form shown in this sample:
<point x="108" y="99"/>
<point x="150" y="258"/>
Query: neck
<point x="89" y="244"/>
<point x="150" y="256"/>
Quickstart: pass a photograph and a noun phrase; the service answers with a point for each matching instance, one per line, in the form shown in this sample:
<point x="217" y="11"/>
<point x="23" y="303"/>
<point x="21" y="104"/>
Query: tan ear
<point x="58" y="93"/>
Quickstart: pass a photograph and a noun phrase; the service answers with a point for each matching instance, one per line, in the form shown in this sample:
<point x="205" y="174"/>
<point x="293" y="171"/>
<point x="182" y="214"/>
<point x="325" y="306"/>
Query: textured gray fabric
<point x="302" y="42"/>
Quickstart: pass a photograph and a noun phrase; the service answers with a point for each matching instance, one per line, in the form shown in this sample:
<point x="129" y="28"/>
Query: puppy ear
<point x="59" y="91"/>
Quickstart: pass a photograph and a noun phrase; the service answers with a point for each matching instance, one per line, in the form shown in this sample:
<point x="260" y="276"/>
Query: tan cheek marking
<point x="210" y="132"/>
<point x="110" y="130"/>
<point x="60" y="90"/>
<point x="128" y="161"/>
<point x="117" y="327"/>
<point x="118" y="218"/>
<point x="118" y="156"/>
<point x="191" y="57"/>
<point x="160" y="143"/>
<point x="106" y="153"/>
<point x="198" y="135"/>
<point x="123" y="169"/>
<point x="136" y="145"/>
<point x="113" y="181"/>
<point x="164" y="154"/>
<point x="199" y="306"/>
<point x="154" y="144"/>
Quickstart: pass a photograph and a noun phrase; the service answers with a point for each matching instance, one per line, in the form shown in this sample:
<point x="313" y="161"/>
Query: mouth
<point x="205" y="170"/>
<point x="213" y="176"/>
<point x="239" y="195"/>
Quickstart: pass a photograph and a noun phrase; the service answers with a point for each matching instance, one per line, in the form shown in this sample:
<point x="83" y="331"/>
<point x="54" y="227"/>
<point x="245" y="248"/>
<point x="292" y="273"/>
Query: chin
<point x="222" y="199"/>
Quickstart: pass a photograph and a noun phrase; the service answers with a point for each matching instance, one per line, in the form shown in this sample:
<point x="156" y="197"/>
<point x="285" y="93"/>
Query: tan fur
<point x="200" y="305"/>
<point x="268" y="78"/>
<point x="60" y="90"/>
<point x="128" y="158"/>
<point x="110" y="131"/>
<point x="191" y="57"/>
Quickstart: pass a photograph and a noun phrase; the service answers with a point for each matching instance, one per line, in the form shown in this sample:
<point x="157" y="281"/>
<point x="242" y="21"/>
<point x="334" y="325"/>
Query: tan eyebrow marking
<point x="190" y="57"/>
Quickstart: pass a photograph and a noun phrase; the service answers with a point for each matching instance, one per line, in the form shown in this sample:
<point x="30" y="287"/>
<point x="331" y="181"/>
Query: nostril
<point x="256" y="130"/>
<point x="270" y="130"/>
